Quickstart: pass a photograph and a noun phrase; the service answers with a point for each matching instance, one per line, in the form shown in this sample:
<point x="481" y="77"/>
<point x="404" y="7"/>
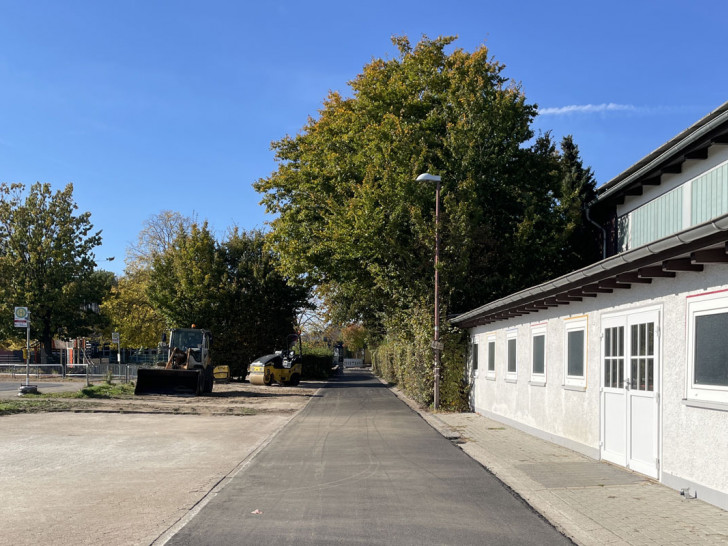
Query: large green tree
<point x="156" y="236"/>
<point x="47" y="262"/>
<point x="260" y="304"/>
<point x="351" y="217"/>
<point x="130" y="311"/>
<point x="187" y="281"/>
<point x="233" y="288"/>
<point x="128" y="306"/>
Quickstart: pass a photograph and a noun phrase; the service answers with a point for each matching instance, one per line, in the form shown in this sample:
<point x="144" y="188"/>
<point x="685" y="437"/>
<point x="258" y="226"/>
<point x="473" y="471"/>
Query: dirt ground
<point x="125" y="471"/>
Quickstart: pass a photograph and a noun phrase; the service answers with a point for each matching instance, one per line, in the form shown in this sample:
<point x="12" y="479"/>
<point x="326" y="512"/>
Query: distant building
<point x="627" y="360"/>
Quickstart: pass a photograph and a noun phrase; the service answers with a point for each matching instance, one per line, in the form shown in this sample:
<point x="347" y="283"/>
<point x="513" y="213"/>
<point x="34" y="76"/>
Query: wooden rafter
<point x="675" y="168"/>
<point x="580" y="292"/>
<point x="595" y="288"/>
<point x="655" y="271"/>
<point x="654" y="181"/>
<point x="566" y="297"/>
<point x="681" y="264"/>
<point x="710" y="256"/>
<point x="633" y="277"/>
<point x="700" y="153"/>
<point x="612" y="283"/>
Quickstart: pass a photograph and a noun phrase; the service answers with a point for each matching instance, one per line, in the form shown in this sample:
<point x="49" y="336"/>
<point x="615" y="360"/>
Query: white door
<point x="630" y="416"/>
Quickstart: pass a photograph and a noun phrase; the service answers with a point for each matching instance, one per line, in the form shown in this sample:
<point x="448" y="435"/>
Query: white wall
<point x="545" y="408"/>
<point x="693" y="440"/>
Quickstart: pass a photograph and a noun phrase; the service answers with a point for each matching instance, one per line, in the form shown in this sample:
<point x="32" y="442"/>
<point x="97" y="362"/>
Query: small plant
<point x="109" y="377"/>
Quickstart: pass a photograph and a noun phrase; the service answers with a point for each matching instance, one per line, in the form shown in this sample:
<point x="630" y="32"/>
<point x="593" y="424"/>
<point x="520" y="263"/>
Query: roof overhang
<point x="686" y="251"/>
<point x="692" y="143"/>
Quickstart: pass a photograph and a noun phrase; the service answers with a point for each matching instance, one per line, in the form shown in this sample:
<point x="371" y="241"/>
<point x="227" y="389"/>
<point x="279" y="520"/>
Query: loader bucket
<point x="161" y="381"/>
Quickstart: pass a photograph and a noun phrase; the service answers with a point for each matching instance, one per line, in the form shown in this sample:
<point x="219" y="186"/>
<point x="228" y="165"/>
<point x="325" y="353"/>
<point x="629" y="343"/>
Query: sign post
<point x="22" y="320"/>
<point x="115" y="339"/>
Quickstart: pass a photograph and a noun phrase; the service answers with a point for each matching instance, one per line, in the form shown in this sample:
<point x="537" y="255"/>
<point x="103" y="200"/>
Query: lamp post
<point x="436" y="345"/>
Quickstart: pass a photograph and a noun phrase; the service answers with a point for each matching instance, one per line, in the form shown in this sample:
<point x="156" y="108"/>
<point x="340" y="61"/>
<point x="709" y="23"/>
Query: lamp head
<point x="427" y="177"/>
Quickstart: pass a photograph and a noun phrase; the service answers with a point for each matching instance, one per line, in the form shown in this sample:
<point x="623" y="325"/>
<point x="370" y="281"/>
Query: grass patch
<point x="62" y="401"/>
<point x="32" y="406"/>
<point x="106" y="390"/>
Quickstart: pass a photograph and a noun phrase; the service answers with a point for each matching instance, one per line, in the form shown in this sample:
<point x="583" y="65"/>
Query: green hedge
<point x="406" y="359"/>
<point x="316" y="363"/>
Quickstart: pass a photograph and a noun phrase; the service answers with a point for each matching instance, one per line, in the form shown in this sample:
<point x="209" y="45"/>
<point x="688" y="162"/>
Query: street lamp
<point x="436" y="345"/>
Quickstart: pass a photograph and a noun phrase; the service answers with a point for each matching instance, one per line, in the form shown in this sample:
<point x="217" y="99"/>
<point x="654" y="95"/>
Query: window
<point x="711" y="350"/>
<point x="490" y="372"/>
<point x="538" y="354"/>
<point x="512" y="361"/>
<point x="642" y="358"/>
<point x="614" y="357"/>
<point x="708" y="347"/>
<point x="575" y="352"/>
<point x="474" y="356"/>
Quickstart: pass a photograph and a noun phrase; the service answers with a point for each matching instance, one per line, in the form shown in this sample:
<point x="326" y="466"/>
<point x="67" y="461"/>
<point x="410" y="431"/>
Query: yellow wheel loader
<point x="188" y="369"/>
<point x="281" y="367"/>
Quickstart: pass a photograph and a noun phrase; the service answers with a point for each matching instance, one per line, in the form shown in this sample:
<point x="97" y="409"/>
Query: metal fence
<point x="102" y="370"/>
<point x="95" y="370"/>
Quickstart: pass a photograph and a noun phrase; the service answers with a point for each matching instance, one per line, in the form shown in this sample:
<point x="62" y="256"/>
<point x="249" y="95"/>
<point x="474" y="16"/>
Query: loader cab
<point x="194" y="340"/>
<point x="188" y="339"/>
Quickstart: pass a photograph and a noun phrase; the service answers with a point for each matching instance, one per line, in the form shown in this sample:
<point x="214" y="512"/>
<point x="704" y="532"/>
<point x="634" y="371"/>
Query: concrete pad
<point x="113" y="479"/>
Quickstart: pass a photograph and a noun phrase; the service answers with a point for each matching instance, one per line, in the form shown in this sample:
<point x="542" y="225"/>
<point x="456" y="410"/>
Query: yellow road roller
<point x="278" y="368"/>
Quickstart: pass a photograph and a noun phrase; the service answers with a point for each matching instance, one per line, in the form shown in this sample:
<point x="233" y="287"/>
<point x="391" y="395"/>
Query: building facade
<point x="626" y="360"/>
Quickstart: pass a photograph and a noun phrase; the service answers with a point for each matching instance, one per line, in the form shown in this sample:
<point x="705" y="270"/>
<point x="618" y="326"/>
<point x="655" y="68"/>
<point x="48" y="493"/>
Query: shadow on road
<point x="354" y="379"/>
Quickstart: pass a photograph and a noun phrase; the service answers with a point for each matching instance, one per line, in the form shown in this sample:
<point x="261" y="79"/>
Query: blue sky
<point x="153" y="105"/>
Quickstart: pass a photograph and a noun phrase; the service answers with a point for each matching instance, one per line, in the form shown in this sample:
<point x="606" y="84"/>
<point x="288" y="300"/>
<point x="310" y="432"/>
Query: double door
<point x="630" y="391"/>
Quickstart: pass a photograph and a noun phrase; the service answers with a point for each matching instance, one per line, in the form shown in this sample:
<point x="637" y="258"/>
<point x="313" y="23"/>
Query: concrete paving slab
<point x="592" y="502"/>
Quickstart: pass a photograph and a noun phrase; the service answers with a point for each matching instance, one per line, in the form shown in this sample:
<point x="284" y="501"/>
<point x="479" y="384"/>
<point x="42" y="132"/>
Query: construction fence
<point x="14" y="364"/>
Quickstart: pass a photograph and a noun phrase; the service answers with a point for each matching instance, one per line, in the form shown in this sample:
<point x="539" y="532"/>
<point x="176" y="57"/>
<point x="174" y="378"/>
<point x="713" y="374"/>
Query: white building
<point x="627" y="360"/>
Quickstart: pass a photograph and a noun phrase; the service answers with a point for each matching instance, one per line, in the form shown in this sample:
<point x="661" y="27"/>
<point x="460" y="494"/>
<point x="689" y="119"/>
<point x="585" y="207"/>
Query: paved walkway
<point x="591" y="502"/>
<point x="356" y="466"/>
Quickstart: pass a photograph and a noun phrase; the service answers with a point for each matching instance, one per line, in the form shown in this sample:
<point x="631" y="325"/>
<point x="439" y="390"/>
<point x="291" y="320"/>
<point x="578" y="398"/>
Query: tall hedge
<point x="407" y="360"/>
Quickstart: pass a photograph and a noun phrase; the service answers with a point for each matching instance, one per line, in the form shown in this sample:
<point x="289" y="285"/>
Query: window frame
<point x="576" y="324"/>
<point x="490" y="363"/>
<point x="538" y="330"/>
<point x="700" y="305"/>
<point x="512" y="336"/>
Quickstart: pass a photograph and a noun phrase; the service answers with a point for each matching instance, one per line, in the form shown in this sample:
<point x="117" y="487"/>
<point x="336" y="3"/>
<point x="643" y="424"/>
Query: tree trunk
<point x="47" y="342"/>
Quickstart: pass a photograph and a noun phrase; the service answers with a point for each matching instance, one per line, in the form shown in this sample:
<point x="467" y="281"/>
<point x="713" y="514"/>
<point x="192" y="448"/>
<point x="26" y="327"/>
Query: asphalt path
<point x="358" y="466"/>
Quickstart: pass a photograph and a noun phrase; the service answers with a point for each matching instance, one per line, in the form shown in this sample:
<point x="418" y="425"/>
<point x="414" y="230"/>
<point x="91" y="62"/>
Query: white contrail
<point x="587" y="109"/>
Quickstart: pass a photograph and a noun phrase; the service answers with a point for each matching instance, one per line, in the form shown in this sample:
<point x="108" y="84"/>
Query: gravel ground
<point x="123" y="471"/>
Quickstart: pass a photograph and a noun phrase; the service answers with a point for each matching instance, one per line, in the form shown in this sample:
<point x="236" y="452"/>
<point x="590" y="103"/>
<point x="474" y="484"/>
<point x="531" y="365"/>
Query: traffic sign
<point x="21" y="317"/>
<point x="115" y="337"/>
